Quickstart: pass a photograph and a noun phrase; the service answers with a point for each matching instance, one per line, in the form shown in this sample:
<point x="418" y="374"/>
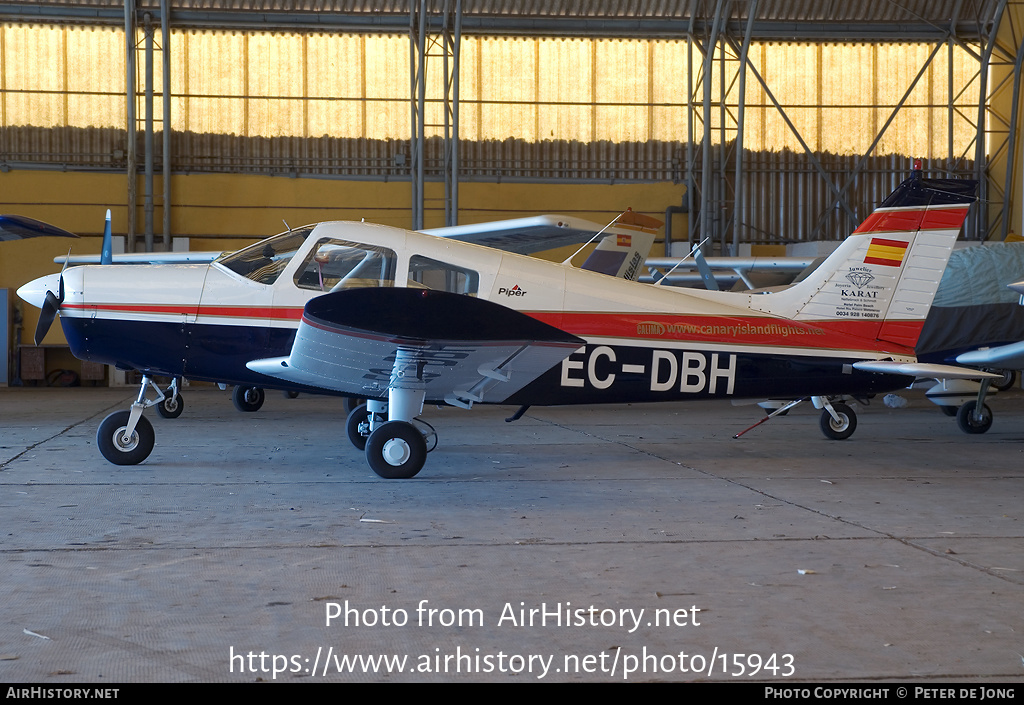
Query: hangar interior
<point x="756" y="124"/>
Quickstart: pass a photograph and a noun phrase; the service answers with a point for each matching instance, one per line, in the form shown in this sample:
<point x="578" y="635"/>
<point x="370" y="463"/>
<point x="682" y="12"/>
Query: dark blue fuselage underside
<point x="598" y="374"/>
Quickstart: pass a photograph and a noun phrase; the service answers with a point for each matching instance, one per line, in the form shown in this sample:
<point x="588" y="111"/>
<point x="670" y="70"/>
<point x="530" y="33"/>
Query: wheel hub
<point x="395" y="452"/>
<point x="839" y="425"/>
<point x="125" y="443"/>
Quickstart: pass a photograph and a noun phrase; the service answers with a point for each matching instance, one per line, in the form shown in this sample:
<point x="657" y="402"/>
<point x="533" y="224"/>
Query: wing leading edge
<point x="456" y="348"/>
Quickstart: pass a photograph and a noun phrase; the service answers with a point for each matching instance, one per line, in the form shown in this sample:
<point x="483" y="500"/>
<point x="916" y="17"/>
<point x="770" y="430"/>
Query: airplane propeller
<point x="51" y="304"/>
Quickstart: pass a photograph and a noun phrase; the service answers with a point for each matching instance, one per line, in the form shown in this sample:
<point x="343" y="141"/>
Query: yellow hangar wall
<point x="225" y="212"/>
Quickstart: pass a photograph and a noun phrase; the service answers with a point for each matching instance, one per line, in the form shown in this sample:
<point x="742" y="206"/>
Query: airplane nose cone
<point x="35" y="291"/>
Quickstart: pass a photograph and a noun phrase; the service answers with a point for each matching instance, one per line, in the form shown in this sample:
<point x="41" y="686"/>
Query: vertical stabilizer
<point x="879" y="284"/>
<point x="621" y="253"/>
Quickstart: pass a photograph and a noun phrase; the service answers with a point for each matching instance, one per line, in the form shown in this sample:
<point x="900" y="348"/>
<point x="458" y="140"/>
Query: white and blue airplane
<point x="403" y="318"/>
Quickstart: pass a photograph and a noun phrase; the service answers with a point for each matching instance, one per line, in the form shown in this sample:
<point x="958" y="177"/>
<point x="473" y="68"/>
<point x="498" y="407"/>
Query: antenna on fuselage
<point x="568" y="260"/>
<point x="286" y="224"/>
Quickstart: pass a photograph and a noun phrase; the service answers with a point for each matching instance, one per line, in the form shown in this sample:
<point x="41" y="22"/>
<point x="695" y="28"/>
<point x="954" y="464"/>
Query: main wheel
<point x="841" y="429"/>
<point x="357" y="416"/>
<point x="248" y="398"/>
<point x="949" y="410"/>
<point x="172" y="405"/>
<point x="111" y="441"/>
<point x="968" y="423"/>
<point x="396" y="450"/>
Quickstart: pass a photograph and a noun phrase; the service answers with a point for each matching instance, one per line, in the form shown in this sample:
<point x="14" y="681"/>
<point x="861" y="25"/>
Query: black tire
<point x="172" y="405"/>
<point x="350" y="404"/>
<point x="966" y="421"/>
<point x="842" y="429"/>
<point x="291" y="394"/>
<point x="396" y="450"/>
<point x="248" y="399"/>
<point x="111" y="444"/>
<point x="356" y="417"/>
<point x="949" y="410"/>
<point x="1007" y="382"/>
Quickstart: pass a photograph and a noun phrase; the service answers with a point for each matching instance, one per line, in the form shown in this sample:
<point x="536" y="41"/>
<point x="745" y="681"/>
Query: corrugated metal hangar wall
<point x="786" y="121"/>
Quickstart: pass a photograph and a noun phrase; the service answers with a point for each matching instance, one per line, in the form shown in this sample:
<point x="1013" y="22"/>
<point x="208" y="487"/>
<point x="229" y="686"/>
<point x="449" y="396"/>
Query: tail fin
<point x="879" y="284"/>
<point x="622" y="252"/>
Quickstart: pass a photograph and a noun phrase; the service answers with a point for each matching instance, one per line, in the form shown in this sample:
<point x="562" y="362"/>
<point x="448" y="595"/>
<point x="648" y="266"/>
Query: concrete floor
<point x="895" y="555"/>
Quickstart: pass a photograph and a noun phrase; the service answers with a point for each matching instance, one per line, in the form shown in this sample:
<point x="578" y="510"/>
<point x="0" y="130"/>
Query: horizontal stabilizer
<point x="922" y="369"/>
<point x="1008" y="357"/>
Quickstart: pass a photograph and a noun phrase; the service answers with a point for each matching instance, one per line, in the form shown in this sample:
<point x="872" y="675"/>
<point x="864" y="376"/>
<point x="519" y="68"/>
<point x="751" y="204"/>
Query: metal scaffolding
<point x="813" y="194"/>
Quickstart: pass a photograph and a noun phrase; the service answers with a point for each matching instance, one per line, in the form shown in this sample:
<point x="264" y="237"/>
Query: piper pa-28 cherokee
<point x="402" y="318"/>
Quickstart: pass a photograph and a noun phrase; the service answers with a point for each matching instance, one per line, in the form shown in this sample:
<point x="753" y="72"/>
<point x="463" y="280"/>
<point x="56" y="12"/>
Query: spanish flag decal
<point x="624" y="241"/>
<point x="887" y="252"/>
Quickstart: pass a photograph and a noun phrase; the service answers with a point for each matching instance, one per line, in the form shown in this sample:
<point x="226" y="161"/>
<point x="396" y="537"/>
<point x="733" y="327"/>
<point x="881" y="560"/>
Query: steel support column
<point x="165" y="55"/>
<point x="431" y="29"/>
<point x="147" y="24"/>
<point x="130" y="79"/>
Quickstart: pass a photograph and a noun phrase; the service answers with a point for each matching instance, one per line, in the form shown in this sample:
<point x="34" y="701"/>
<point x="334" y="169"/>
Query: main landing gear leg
<point x="126" y="437"/>
<point x="396" y="449"/>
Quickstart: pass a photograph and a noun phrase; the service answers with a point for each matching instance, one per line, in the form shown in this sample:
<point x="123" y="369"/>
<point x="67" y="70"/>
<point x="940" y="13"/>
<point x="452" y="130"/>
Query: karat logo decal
<point x="514" y="291"/>
<point x="860" y="278"/>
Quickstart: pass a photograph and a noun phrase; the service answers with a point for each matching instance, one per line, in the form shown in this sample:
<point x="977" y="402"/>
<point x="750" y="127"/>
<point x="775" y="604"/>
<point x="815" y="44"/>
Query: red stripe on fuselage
<point x="729" y="330"/>
<point x="242" y="312"/>
<point x="645" y="328"/>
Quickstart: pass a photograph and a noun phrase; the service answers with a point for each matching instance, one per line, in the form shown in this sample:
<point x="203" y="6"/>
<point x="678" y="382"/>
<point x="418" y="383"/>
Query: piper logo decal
<point x="514" y="291"/>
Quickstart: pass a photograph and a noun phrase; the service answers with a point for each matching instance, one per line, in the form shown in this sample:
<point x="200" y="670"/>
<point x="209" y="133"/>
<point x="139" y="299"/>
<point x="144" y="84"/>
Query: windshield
<point x="264" y="261"/>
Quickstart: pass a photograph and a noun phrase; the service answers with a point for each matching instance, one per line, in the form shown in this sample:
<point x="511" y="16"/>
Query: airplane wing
<point x="620" y="253"/>
<point x="18" y="227"/>
<point x="145" y="258"/>
<point x="457" y="348"/>
<point x="523" y="236"/>
<point x="923" y="369"/>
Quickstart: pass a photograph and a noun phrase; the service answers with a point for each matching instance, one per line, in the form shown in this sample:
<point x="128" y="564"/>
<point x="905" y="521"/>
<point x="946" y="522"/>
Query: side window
<point x="426" y="273"/>
<point x="334" y="265"/>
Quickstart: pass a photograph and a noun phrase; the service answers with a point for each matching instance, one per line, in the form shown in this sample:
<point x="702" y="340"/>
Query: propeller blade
<point x="46" y="316"/>
<point x="51" y="305"/>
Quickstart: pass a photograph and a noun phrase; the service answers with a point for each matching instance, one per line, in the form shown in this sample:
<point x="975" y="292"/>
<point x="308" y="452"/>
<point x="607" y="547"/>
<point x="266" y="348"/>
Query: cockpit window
<point x="334" y="265"/>
<point x="264" y="261"/>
